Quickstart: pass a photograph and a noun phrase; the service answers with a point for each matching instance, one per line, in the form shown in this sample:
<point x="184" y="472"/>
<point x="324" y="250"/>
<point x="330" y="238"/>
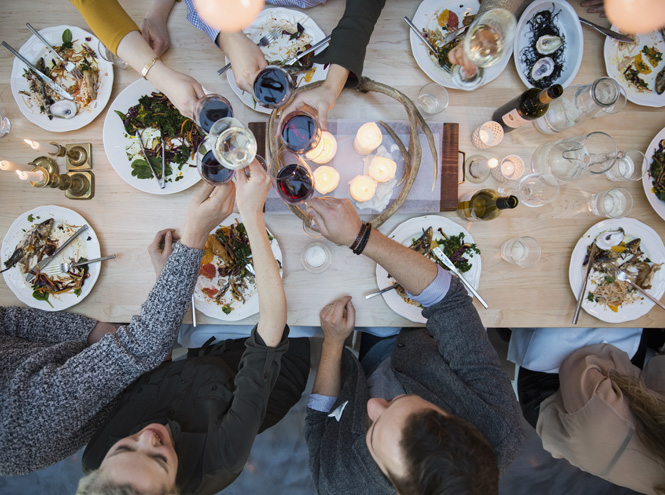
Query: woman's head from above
<point x="144" y="463"/>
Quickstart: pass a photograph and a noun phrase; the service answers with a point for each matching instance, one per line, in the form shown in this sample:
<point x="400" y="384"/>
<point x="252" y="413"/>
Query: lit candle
<point x="37" y="176"/>
<point x="10" y="166"/>
<point x="368" y="138"/>
<point x="325" y="150"/>
<point x="326" y="179"/>
<point x="507" y="168"/>
<point x="484" y="136"/>
<point x="382" y="169"/>
<point x="492" y="162"/>
<point x="49" y="148"/>
<point x="362" y="188"/>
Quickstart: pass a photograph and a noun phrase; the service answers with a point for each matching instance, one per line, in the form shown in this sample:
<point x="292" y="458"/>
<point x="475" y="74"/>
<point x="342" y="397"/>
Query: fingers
<point x="168" y="243"/>
<point x="350" y="313"/>
<point x="161" y="45"/>
<point x="203" y="193"/>
<point x="159" y="238"/>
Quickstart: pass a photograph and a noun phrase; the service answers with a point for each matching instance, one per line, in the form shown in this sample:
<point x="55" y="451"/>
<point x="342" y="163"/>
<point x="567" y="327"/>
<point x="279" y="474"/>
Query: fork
<point x="263" y="42"/>
<point x="65" y="267"/>
<point x="623" y="276"/>
<point x="69" y="66"/>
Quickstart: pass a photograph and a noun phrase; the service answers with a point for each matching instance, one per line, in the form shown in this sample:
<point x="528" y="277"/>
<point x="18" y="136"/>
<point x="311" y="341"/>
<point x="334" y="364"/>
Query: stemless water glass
<point x="300" y="130"/>
<point x="538" y="189"/>
<point x="522" y="251"/>
<point x="209" y="168"/>
<point x="630" y="165"/>
<point x="613" y="203"/>
<point x="432" y="100"/>
<point x="273" y="86"/>
<point x="478" y="168"/>
<point x="111" y="57"/>
<point x="233" y="144"/>
<point x="5" y="125"/>
<point x="210" y="109"/>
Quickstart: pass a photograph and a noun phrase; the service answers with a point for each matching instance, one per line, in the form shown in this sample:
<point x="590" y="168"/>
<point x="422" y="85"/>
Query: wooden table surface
<point x="126" y="219"/>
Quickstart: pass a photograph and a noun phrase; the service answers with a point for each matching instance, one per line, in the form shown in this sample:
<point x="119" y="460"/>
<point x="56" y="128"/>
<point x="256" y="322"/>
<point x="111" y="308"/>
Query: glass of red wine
<point x="300" y="130"/>
<point x="211" y="171"/>
<point x="273" y="87"/>
<point x="210" y="109"/>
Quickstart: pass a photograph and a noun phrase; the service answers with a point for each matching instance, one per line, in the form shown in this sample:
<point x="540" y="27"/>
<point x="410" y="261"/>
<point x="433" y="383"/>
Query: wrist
<point x="332" y="345"/>
<point x="193" y="240"/>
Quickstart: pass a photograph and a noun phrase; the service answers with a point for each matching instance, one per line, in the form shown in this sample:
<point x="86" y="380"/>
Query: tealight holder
<point x="79" y="155"/>
<point x="487" y="135"/>
<point x="510" y="168"/>
<point x="77" y="185"/>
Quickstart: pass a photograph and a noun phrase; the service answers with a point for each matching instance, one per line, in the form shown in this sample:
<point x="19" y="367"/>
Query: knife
<point x="454" y="34"/>
<point x="55" y="87"/>
<point x="42" y="264"/>
<point x="161" y="178"/>
<point x="321" y="43"/>
<point x="580" y="296"/>
<point x="449" y="264"/>
<point x="417" y="32"/>
<point x="145" y="155"/>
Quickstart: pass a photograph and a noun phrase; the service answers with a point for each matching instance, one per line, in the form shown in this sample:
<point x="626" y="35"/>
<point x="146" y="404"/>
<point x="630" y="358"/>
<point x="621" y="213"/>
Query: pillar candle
<point x="326" y="179"/>
<point x="362" y="188"/>
<point x="382" y="169"/>
<point x="325" y="150"/>
<point x="368" y="138"/>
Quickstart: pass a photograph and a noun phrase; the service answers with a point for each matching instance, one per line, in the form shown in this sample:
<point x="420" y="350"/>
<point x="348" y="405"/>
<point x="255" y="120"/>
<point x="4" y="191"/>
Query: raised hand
<point x="338" y="319"/>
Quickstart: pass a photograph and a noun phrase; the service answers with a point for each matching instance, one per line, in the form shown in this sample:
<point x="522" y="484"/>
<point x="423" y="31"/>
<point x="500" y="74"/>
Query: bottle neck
<point x="550" y="94"/>
<point x="507" y="203"/>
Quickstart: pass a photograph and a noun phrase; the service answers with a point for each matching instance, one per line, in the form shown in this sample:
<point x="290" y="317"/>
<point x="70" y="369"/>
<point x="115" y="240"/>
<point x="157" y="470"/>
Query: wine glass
<point x="300" y="130"/>
<point x="273" y="86"/>
<point x="211" y="171"/>
<point x="233" y="144"/>
<point x="210" y="109"/>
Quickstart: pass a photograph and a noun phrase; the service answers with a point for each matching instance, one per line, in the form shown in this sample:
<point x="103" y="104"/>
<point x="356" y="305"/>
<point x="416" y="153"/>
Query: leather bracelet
<point x="353" y="246"/>
<point x="363" y="243"/>
<point x="148" y="66"/>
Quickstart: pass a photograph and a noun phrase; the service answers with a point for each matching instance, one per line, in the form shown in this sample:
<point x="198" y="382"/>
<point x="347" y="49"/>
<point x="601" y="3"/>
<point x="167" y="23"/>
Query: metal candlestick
<point x="77" y="185"/>
<point x="79" y="156"/>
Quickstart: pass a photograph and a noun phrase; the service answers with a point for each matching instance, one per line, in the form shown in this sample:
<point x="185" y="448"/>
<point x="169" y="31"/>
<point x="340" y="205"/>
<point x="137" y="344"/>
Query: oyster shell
<point x="548" y="44"/>
<point x="660" y="82"/>
<point x="543" y="68"/>
<point x="64" y="109"/>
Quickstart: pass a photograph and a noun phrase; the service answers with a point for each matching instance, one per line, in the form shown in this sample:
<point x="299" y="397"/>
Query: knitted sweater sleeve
<point x="50" y="399"/>
<point x="46" y="327"/>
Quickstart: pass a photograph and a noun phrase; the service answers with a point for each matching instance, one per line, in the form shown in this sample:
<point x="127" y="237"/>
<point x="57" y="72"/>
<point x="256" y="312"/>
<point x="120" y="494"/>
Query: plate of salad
<point x="654" y="180"/>
<point x="38" y="233"/>
<point x="424" y="234"/>
<point x="141" y="110"/>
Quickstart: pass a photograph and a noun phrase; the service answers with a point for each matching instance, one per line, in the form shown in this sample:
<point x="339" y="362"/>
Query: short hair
<point x="92" y="485"/>
<point x="445" y="455"/>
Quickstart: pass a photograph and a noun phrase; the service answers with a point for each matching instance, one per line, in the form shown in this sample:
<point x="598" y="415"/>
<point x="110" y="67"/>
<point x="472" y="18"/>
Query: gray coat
<point x="55" y="390"/>
<point x="452" y="364"/>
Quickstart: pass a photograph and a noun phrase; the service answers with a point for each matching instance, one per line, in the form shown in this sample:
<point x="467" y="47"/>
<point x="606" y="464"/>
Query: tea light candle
<point x="507" y="168"/>
<point x="382" y="169"/>
<point x="484" y="136"/>
<point x="326" y="179"/>
<point x="493" y="163"/>
<point x="368" y="138"/>
<point x="325" y="150"/>
<point x="37" y="176"/>
<point x="10" y="166"/>
<point x="362" y="188"/>
<point x="49" y="148"/>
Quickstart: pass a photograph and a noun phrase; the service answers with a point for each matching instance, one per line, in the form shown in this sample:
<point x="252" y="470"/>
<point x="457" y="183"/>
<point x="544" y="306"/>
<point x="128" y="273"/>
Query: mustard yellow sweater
<point x="107" y="19"/>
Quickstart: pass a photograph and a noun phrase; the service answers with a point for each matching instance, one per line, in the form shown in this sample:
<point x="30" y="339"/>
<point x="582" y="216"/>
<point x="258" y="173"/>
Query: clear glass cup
<point x="477" y="168"/>
<point x="630" y="165"/>
<point x="538" y="189"/>
<point x="210" y="169"/>
<point x="432" y="100"/>
<point x="273" y="86"/>
<point x="300" y="130"/>
<point x="522" y="251"/>
<point x="613" y="203"/>
<point x="210" y="109"/>
<point x="233" y="144"/>
<point x="573" y="158"/>
<point x="5" y="125"/>
<point x="111" y="57"/>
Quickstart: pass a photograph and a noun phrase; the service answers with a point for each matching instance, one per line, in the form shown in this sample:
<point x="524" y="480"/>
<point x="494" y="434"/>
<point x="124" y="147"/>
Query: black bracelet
<point x="363" y="243"/>
<point x="361" y="234"/>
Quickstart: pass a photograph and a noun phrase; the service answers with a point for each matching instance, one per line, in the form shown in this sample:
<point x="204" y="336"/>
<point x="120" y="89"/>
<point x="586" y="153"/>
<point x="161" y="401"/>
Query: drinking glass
<point x="300" y="130"/>
<point x="210" y="109"/>
<point x="522" y="251"/>
<point x="209" y="168"/>
<point x="432" y="100"/>
<point x="5" y="125"/>
<point x="233" y="144"/>
<point x="538" y="189"/>
<point x="576" y="157"/>
<point x="478" y="168"/>
<point x="273" y="86"/>
<point x="630" y="165"/>
<point x="111" y="57"/>
<point x="613" y="203"/>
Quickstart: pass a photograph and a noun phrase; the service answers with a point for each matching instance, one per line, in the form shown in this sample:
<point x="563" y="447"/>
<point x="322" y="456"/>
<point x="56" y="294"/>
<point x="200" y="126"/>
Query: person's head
<point x="425" y="450"/>
<point x="141" y="464"/>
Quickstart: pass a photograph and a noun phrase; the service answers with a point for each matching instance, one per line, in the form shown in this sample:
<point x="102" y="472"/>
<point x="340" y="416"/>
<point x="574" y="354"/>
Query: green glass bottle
<point x="530" y="105"/>
<point x="485" y="204"/>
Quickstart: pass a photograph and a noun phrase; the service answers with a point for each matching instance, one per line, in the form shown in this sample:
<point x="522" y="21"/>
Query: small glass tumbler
<point x="522" y="251"/>
<point x="630" y="165"/>
<point x="613" y="203"/>
<point x="5" y="125"/>
<point x="111" y="57"/>
<point x="432" y="100"/>
<point x="478" y="168"/>
<point x="315" y="257"/>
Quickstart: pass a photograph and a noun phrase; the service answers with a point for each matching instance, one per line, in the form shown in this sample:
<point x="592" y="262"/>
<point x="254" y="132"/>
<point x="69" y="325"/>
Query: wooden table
<point x="127" y="219"/>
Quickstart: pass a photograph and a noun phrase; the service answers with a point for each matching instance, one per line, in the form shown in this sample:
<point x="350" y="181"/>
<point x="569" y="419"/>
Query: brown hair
<point x="445" y="455"/>
<point x="648" y="407"/>
<point x="92" y="485"/>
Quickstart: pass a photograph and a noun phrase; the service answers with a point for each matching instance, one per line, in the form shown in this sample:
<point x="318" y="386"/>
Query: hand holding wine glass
<point x="252" y="189"/>
<point x="337" y="219"/>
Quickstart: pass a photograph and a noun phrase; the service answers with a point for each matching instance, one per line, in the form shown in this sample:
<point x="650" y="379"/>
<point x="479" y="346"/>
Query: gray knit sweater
<point x="55" y="390"/>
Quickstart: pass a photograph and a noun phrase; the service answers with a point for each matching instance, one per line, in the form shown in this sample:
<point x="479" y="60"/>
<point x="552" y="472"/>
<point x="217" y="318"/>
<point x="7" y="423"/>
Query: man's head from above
<point x="425" y="450"/>
<point x="145" y="463"/>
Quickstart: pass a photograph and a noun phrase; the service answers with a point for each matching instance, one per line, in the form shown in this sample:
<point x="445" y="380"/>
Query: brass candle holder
<point x="77" y="185"/>
<point x="79" y="156"/>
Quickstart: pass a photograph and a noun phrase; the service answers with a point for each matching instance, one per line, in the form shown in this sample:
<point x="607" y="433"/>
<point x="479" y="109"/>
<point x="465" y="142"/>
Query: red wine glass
<point x="210" y="109"/>
<point x="273" y="86"/>
<point x="300" y="130"/>
<point x="209" y="168"/>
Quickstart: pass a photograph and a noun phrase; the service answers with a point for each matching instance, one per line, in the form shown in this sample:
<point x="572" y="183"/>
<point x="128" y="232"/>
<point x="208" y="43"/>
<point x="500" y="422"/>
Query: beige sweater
<point x="588" y="421"/>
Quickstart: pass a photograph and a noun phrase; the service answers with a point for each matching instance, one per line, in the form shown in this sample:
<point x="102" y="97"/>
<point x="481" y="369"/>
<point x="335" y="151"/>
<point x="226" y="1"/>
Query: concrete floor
<point x="279" y="463"/>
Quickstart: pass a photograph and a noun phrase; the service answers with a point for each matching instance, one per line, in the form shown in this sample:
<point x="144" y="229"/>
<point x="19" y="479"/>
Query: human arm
<point x="246" y="58"/>
<point x="154" y="28"/>
<point x="46" y="327"/>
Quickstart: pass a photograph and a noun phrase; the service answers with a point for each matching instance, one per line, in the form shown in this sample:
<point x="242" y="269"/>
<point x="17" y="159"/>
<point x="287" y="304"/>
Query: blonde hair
<point x="92" y="485"/>
<point x="648" y="407"/>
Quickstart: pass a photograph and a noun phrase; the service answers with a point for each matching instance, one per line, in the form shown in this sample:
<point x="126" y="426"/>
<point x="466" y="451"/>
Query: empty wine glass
<point x="210" y="109"/>
<point x="538" y="189"/>
<point x="273" y="86"/>
<point x="300" y="130"/>
<point x="630" y="165"/>
<point x="233" y="144"/>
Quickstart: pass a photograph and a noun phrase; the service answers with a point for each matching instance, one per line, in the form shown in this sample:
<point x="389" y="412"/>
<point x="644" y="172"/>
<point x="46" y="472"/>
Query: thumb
<point x="350" y="313"/>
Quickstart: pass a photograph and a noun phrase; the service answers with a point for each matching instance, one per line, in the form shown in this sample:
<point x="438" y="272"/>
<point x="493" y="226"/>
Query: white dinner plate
<point x="85" y="245"/>
<point x="32" y="50"/>
<point x="117" y="143"/>
<point x="404" y="233"/>
<point x="651" y="245"/>
<point x="647" y="181"/>
<point x="615" y="54"/>
<point x="426" y="17"/>
<point x="569" y="26"/>
<point x="240" y="311"/>
<point x="266" y="21"/>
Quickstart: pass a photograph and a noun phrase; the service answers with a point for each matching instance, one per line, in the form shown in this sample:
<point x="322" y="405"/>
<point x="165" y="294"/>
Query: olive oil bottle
<point x="485" y="204"/>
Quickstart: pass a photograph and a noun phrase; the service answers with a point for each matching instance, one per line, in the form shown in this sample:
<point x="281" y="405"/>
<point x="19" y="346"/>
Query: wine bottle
<point x="485" y="204"/>
<point x="530" y="105"/>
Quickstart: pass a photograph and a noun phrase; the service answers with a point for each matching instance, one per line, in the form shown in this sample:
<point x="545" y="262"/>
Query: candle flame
<point x="4" y="165"/>
<point x="33" y="144"/>
<point x="492" y="163"/>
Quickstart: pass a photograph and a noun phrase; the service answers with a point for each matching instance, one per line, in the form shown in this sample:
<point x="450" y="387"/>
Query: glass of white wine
<point x="234" y="145"/>
<point x="486" y="43"/>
